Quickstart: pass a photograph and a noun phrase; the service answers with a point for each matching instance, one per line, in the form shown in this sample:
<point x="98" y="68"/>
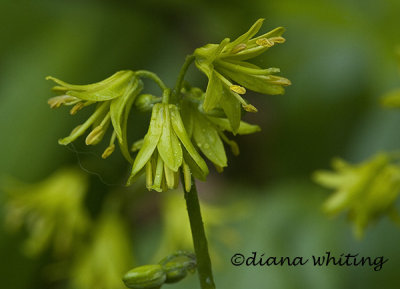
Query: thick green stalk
<point x="199" y="238"/>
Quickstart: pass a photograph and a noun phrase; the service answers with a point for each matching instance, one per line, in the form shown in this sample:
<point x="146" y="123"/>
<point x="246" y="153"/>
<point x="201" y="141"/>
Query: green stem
<point x="179" y="82"/>
<point x="152" y="76"/>
<point x="199" y="238"/>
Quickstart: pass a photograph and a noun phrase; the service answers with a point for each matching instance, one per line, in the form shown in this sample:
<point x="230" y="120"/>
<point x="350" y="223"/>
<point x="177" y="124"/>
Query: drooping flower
<point x="165" y="149"/>
<point x="52" y="211"/>
<point x="367" y="191"/>
<point x="225" y="64"/>
<point x="113" y="97"/>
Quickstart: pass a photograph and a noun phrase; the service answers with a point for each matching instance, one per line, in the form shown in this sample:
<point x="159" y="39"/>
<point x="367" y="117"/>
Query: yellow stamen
<point x="108" y="151"/>
<point x="76" y="108"/>
<point x="238" y="48"/>
<point x="250" y="108"/>
<point x="238" y="89"/>
<point x="278" y="80"/>
<point x="95" y="136"/>
<point x="169" y="177"/>
<point x="264" y="42"/>
<point x="278" y="39"/>
<point x="187" y="177"/>
<point x="149" y="175"/>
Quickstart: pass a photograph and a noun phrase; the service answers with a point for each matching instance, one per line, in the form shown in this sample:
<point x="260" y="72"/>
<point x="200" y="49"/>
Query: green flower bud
<point x="177" y="265"/>
<point x="145" y="277"/>
<point x="145" y="102"/>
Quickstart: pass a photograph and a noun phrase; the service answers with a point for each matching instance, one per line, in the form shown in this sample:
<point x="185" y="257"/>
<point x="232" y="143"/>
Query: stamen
<point x="169" y="177"/>
<point x="76" y="108"/>
<point x="277" y="39"/>
<point x="238" y="48"/>
<point x="264" y="42"/>
<point x="108" y="151"/>
<point x="238" y="89"/>
<point x="250" y="108"/>
<point x="95" y="136"/>
<point x="187" y="177"/>
<point x="149" y="175"/>
<point x="278" y="80"/>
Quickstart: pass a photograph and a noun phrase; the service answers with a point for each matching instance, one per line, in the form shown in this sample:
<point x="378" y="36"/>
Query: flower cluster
<point x="367" y="190"/>
<point x="225" y="64"/>
<point x="185" y="121"/>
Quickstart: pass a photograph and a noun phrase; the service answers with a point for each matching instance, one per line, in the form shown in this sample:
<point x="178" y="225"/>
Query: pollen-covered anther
<point x="249" y="108"/>
<point x="95" y="136"/>
<point x="277" y="39"/>
<point x="108" y="151"/>
<point x="238" y="89"/>
<point x="265" y="42"/>
<point x="278" y="80"/>
<point x="57" y="101"/>
<point x="238" y="48"/>
<point x="76" y="108"/>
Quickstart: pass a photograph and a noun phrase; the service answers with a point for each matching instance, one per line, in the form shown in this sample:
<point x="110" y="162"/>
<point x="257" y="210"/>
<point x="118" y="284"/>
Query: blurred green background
<point x="340" y="57"/>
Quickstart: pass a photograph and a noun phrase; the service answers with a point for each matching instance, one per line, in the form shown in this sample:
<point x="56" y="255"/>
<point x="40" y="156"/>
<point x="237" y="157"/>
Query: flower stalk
<point x="199" y="238"/>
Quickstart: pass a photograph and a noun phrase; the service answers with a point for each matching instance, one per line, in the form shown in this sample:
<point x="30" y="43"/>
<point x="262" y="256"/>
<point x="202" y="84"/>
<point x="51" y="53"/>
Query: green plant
<point x="185" y="122"/>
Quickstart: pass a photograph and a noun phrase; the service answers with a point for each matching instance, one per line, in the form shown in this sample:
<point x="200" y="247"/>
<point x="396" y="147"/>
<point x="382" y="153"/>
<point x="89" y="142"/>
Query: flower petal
<point x="169" y="146"/>
<point x="207" y="139"/>
<point x="182" y="135"/>
<point x="149" y="142"/>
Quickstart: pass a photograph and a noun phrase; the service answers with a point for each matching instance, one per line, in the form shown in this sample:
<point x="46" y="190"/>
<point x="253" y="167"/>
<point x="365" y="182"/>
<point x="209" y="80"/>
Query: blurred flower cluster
<point x="367" y="191"/>
<point x="87" y="252"/>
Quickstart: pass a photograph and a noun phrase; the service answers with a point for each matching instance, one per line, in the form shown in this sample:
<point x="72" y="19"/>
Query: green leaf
<point x="150" y="141"/>
<point x="213" y="93"/>
<point x="182" y="135"/>
<point x="169" y="146"/>
<point x="207" y="139"/>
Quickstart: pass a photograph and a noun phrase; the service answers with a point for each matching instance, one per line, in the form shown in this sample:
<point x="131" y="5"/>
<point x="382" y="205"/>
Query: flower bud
<point x="145" y="277"/>
<point x="145" y="102"/>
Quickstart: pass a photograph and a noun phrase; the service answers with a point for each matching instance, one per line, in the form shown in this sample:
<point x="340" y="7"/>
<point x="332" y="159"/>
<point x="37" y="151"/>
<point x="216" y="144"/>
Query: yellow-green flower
<point x="165" y="149"/>
<point x="224" y="64"/>
<point x="113" y="97"/>
<point x="367" y="191"/>
<point x="52" y="211"/>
